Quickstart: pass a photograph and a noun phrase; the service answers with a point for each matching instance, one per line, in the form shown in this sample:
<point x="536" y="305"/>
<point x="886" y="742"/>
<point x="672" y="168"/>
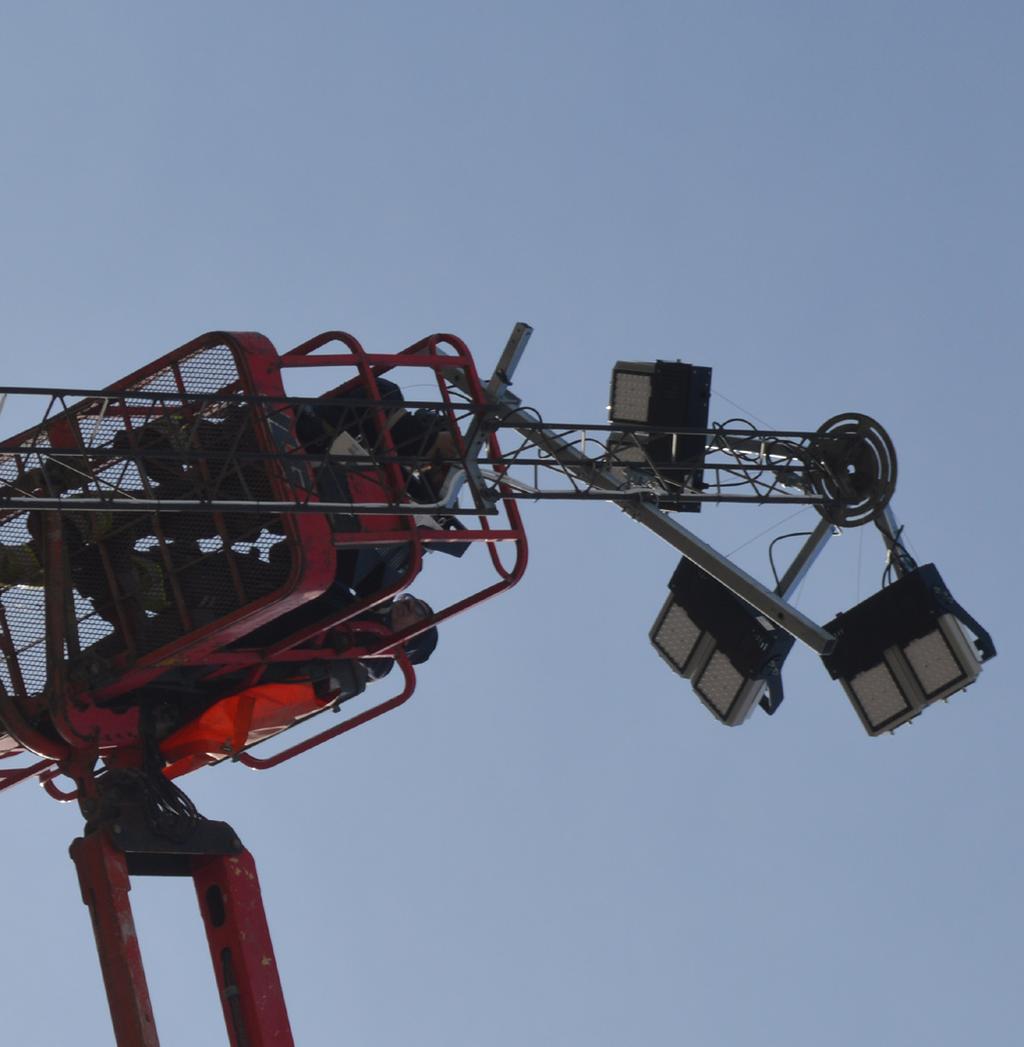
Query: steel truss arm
<point x="710" y="560"/>
<point x="772" y="472"/>
<point x="759" y="467"/>
<point x="592" y="474"/>
<point x="98" y="473"/>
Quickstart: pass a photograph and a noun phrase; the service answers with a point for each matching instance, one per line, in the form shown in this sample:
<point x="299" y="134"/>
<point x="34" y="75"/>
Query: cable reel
<point x="853" y="468"/>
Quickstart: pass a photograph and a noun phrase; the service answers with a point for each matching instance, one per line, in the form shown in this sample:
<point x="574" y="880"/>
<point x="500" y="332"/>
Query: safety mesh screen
<point x="137" y="581"/>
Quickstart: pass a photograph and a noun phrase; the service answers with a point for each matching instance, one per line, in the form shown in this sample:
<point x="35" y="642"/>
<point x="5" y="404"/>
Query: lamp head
<point x="728" y="652"/>
<point x="903" y="649"/>
<point x="669" y="395"/>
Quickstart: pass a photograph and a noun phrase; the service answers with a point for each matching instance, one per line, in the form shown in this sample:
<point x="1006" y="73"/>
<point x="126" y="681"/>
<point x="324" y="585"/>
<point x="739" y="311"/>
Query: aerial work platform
<point x="199" y="558"/>
<point x="180" y="511"/>
<point x="193" y="561"/>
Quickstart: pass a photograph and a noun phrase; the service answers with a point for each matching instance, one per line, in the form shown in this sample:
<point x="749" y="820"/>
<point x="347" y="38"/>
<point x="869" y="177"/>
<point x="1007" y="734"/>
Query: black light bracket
<point x="982" y="638"/>
<point x="774" y="695"/>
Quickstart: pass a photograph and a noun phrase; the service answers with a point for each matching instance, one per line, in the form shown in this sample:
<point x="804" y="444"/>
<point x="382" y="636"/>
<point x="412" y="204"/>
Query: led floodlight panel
<point x="711" y="637"/>
<point x="666" y="394"/>
<point x="901" y="650"/>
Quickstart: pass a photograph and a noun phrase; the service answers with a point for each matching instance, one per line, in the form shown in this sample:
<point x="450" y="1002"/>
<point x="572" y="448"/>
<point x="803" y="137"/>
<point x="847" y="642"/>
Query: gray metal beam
<point x="890" y="527"/>
<point x="803" y="560"/>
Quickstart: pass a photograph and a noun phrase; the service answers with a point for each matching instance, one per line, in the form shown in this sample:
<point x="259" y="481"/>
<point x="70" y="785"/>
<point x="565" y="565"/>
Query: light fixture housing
<point x="904" y="648"/>
<point x="669" y="395"/>
<point x="730" y="654"/>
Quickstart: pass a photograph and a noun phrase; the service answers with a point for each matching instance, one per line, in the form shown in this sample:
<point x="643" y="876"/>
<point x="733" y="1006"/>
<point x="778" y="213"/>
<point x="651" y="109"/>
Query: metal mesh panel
<point x="24" y="662"/>
<point x="211" y="369"/>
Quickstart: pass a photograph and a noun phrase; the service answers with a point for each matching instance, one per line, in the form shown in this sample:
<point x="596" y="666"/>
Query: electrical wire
<point x="771" y="546"/>
<point x="897" y="550"/>
<point x="768" y="530"/>
<point x="722" y="396"/>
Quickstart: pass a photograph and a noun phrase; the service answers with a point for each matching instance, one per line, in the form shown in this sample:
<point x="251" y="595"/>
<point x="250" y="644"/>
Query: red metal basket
<point x="228" y="536"/>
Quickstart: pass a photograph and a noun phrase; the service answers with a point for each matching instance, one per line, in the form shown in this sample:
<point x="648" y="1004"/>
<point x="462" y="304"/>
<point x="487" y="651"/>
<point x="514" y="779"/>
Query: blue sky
<point x="554" y="843"/>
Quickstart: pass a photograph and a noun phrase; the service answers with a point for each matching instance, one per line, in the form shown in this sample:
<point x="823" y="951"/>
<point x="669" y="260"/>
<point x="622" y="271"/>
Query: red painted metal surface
<point x="228" y="891"/>
<point x="426" y="354"/>
<point x="409" y="685"/>
<point x="53" y="790"/>
<point x="103" y="878"/>
<point x="11" y="777"/>
<point x="231" y="905"/>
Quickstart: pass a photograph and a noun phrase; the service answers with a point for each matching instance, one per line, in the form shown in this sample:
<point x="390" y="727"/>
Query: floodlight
<point x="666" y="394"/>
<point x="729" y="652"/>
<point x="904" y="648"/>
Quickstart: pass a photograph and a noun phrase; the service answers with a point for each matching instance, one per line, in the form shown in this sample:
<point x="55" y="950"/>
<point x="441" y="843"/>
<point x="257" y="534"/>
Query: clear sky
<point x="554" y="843"/>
